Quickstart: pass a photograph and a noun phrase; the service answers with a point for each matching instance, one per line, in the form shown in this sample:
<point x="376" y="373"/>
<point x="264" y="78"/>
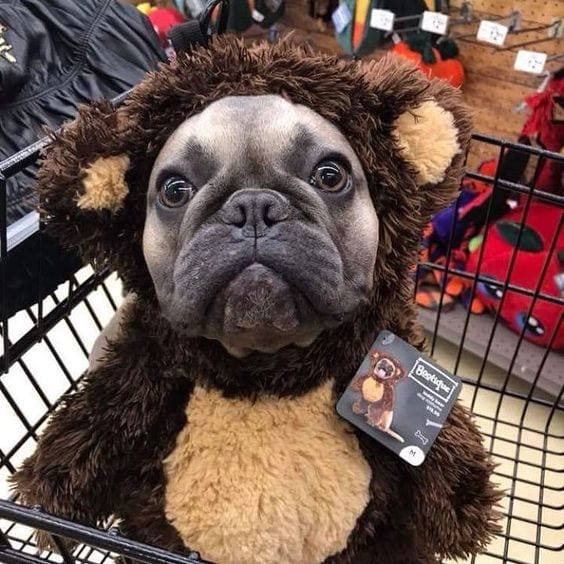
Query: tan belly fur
<point x="372" y="390"/>
<point x="278" y="480"/>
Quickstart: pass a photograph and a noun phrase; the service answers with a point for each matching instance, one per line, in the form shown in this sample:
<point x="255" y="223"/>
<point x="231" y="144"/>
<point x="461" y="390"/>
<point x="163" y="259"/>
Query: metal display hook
<point x="513" y="20"/>
<point x="556" y="25"/>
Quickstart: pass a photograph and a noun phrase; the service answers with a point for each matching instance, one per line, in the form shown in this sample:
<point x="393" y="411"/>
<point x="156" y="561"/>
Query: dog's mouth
<point x="260" y="310"/>
<point x="259" y="299"/>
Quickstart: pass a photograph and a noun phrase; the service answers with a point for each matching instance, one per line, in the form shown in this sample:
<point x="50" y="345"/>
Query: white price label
<point x="382" y="19"/>
<point x="530" y="61"/>
<point x="341" y="17"/>
<point x="435" y="22"/>
<point x="492" y="32"/>
<point x="257" y="16"/>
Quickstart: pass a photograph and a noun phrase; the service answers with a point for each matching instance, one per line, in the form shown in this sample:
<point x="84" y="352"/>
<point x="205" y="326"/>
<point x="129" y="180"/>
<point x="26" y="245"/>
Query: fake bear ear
<point x="103" y="184"/>
<point x="89" y="186"/>
<point x="428" y="126"/>
<point x="427" y="137"/>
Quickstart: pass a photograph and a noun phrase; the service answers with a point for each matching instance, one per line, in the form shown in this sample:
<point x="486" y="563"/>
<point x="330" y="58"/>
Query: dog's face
<point x="385" y="369"/>
<point x="260" y="231"/>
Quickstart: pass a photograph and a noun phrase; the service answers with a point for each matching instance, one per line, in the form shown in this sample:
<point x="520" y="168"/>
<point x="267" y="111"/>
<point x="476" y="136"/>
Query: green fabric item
<point x="448" y="49"/>
<point x="421" y="43"/>
<point x="239" y="18"/>
<point x="371" y="38"/>
<point x="475" y="242"/>
<point x="529" y="240"/>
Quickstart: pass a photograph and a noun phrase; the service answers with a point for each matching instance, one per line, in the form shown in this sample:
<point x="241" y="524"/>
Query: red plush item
<point x="450" y="70"/>
<point x="545" y="125"/>
<point x="541" y="225"/>
<point x="162" y="19"/>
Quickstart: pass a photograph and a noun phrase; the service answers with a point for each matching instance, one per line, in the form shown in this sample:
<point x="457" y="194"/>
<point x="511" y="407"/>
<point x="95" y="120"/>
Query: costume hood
<point x="409" y="134"/>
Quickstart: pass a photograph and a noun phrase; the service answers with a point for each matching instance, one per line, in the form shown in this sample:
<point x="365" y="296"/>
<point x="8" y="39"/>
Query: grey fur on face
<point x="259" y="257"/>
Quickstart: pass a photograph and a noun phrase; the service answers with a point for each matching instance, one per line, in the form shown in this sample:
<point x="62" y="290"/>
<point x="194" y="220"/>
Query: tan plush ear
<point x="428" y="138"/>
<point x="104" y="184"/>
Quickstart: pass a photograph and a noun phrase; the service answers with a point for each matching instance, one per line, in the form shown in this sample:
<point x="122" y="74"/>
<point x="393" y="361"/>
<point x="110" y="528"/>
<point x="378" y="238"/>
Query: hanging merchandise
<point x="59" y="54"/>
<point x="190" y="8"/>
<point x="244" y="13"/>
<point x="356" y="37"/>
<point x="435" y="61"/>
<point x="322" y="9"/>
<point x="267" y="12"/>
<point x="162" y="20"/>
<point x="545" y="127"/>
<point x="543" y="222"/>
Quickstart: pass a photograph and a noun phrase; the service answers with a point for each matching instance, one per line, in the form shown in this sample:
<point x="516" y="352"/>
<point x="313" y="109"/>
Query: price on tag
<point x="530" y="61"/>
<point x="435" y="22"/>
<point x="382" y="19"/>
<point x="492" y="32"/>
<point x="341" y="18"/>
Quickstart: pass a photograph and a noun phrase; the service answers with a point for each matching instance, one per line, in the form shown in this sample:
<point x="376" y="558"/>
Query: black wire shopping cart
<point x="514" y="387"/>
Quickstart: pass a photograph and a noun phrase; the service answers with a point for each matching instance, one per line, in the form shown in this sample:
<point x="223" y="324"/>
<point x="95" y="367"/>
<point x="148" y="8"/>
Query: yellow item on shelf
<point x="145" y="7"/>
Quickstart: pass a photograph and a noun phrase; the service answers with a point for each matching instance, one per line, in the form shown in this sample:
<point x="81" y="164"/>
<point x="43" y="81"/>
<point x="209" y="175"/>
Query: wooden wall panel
<point x="492" y="88"/>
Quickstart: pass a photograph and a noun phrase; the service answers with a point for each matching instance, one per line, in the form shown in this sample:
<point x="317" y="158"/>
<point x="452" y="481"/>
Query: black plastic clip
<point x="184" y="37"/>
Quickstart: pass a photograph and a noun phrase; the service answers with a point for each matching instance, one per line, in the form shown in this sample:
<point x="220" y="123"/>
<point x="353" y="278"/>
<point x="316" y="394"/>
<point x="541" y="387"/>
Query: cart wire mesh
<point x="514" y="387"/>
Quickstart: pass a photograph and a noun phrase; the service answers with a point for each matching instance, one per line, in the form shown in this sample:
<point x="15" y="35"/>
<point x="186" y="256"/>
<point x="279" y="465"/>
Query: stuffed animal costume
<point x="245" y="459"/>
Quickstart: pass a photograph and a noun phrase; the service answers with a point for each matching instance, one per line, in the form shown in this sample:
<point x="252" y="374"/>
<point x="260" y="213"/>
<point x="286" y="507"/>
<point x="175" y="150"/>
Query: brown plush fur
<point x="103" y="451"/>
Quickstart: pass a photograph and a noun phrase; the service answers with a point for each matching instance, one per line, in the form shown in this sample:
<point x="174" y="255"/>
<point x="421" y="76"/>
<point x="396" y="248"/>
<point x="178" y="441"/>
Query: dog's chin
<point x="259" y="311"/>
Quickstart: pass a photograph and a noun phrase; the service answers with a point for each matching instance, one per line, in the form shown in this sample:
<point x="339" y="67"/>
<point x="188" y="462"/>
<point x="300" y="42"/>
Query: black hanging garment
<point x="55" y="55"/>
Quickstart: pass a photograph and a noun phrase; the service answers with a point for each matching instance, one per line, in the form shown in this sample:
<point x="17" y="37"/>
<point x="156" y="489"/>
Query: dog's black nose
<point x="255" y="211"/>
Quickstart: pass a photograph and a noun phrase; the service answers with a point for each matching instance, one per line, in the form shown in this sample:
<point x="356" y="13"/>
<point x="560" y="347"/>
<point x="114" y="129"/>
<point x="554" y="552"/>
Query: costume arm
<point x="454" y="498"/>
<point x="101" y="433"/>
<point x="357" y="383"/>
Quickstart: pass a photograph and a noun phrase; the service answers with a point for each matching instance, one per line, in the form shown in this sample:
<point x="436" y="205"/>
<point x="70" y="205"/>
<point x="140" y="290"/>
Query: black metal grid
<point x="522" y="420"/>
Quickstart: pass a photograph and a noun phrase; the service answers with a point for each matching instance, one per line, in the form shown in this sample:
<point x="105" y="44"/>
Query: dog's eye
<point x="175" y="192"/>
<point x="330" y="176"/>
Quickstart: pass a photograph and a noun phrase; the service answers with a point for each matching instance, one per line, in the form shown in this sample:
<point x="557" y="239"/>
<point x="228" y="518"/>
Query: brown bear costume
<point x="244" y="459"/>
<point x="377" y="392"/>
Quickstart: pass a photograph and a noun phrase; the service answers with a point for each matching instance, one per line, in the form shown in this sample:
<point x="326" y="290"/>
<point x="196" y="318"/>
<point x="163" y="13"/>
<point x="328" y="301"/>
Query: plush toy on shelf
<point x="545" y="127"/>
<point x="537" y="267"/>
<point x="263" y="204"/>
<point x="162" y="19"/>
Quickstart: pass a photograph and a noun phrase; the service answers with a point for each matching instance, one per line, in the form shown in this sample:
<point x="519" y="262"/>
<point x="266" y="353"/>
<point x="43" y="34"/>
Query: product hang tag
<point x="530" y="61"/>
<point x="435" y="22"/>
<point x="400" y="397"/>
<point x="341" y="18"/>
<point x="382" y="19"/>
<point x="492" y="32"/>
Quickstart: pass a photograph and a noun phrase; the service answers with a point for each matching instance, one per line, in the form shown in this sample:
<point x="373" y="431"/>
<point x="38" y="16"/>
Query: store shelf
<point x="529" y="358"/>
